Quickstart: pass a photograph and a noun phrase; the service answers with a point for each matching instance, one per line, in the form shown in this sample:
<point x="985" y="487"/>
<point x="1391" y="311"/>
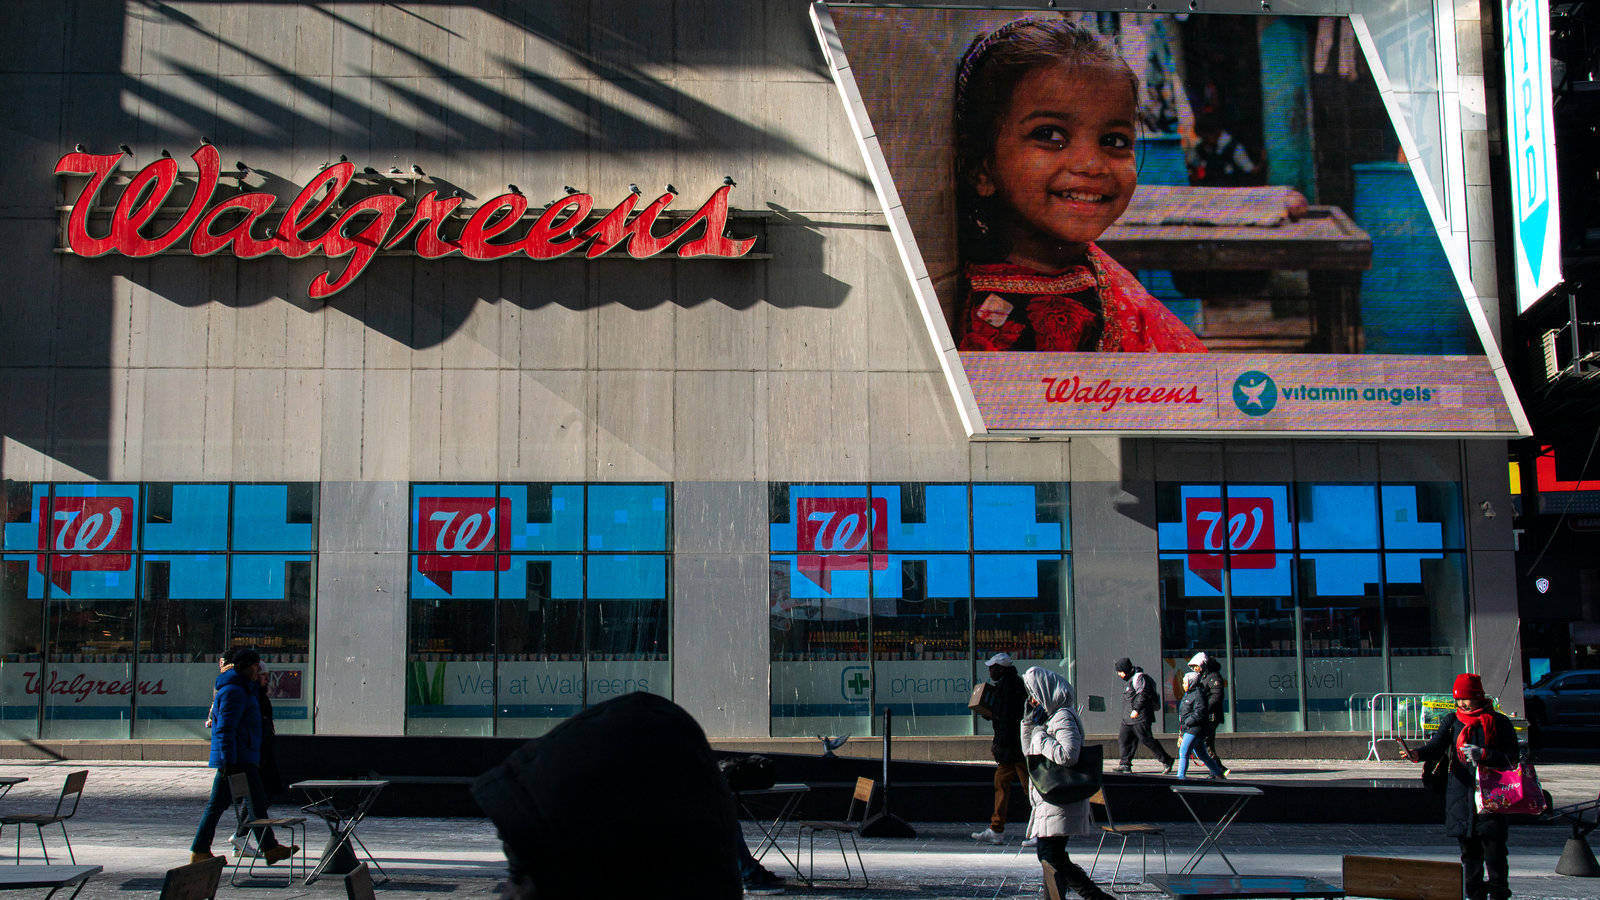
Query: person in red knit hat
<point x="1476" y="735"/>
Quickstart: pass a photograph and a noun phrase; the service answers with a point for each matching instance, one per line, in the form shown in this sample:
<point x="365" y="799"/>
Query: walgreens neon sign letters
<point x="364" y="227"/>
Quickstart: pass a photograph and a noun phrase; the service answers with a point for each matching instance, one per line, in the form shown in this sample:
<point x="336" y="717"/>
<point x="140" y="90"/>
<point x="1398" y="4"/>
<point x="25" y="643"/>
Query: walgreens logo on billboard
<point x="320" y="221"/>
<point x="461" y="534"/>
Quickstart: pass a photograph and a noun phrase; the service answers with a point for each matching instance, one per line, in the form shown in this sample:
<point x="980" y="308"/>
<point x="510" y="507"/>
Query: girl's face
<point x="1063" y="162"/>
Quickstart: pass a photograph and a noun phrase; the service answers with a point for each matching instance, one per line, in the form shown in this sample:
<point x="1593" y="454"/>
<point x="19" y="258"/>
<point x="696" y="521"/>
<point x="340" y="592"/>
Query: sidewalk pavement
<point x="137" y="820"/>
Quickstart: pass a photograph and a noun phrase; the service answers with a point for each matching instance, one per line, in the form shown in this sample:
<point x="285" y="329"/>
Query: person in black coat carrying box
<point x="1475" y="735"/>
<point x="1006" y="699"/>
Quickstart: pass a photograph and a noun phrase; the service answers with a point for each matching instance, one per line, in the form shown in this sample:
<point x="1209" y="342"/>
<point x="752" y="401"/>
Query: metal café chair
<point x="1143" y="832"/>
<point x="239" y="786"/>
<point x="196" y="881"/>
<point x="358" y="884"/>
<point x="860" y="801"/>
<point x="73" y="787"/>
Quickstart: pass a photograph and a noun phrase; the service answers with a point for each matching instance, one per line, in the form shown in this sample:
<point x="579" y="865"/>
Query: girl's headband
<point x="979" y="48"/>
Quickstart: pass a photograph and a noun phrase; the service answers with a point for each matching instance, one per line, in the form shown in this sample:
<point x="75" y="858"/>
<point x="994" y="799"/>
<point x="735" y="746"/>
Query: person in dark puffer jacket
<point x="236" y="749"/>
<point x="623" y="799"/>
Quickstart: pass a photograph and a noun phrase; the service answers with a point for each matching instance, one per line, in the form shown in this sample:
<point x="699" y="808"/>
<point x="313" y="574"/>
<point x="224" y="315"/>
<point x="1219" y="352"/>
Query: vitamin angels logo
<point x="360" y="229"/>
<point x="1255" y="393"/>
<point x="843" y="528"/>
<point x="1248" y="528"/>
<point x="85" y="534"/>
<point x="463" y="533"/>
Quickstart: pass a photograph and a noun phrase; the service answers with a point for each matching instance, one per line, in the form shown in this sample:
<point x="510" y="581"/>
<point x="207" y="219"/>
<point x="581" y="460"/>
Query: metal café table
<point x="1212" y="840"/>
<point x="787" y="797"/>
<point x="10" y="781"/>
<point x="343" y="804"/>
<point x="21" y="878"/>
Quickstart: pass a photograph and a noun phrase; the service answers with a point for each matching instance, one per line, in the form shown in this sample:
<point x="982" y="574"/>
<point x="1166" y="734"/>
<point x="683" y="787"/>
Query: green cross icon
<point x="857" y="683"/>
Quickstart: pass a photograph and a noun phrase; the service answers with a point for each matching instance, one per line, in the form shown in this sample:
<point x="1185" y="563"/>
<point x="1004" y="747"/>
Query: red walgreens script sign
<point x="844" y="528"/>
<point x="1248" y="530"/>
<point x="460" y="530"/>
<point x="87" y="534"/>
<point x="364" y="227"/>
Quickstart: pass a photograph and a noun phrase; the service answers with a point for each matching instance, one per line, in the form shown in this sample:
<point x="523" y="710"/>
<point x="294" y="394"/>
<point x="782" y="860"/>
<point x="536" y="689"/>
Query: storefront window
<point x="1426" y="601"/>
<point x="118" y="599"/>
<point x="1311" y="621"/>
<point x="1341" y="638"/>
<point x="879" y="603"/>
<point x="531" y="601"/>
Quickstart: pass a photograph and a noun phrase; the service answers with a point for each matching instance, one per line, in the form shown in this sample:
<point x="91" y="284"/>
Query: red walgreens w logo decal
<point x="463" y="532"/>
<point x="87" y="534"/>
<point x="1248" y="529"/>
<point x="844" y="528"/>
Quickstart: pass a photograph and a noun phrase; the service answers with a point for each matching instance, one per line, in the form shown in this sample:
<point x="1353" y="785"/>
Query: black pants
<point x="222" y="798"/>
<point x="1132" y="734"/>
<point x="1480" y="856"/>
<point x="1053" y="853"/>
<point x="1211" y="745"/>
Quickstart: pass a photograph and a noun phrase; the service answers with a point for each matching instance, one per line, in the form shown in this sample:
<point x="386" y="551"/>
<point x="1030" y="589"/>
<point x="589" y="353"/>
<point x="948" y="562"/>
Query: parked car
<point x="1564" y="698"/>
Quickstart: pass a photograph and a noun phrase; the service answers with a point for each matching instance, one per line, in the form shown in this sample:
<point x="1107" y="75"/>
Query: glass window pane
<point x="1022" y="606"/>
<point x="919" y="517"/>
<point x="543" y="518"/>
<point x="450" y="668"/>
<point x="273" y="599"/>
<point x="1427" y="610"/>
<point x="88" y="682"/>
<point x="540" y="648"/>
<point x="629" y="630"/>
<point x="1029" y="517"/>
<point x="22" y="589"/>
<point x="1338" y="516"/>
<point x="823" y="518"/>
<point x="1191" y="620"/>
<point x="182" y="631"/>
<point x="1188" y="516"/>
<point x="1257" y="520"/>
<point x="22" y="507"/>
<point x="821" y="679"/>
<point x="275" y="517"/>
<point x="627" y="517"/>
<point x="1341" y="636"/>
<point x="1424" y="516"/>
<point x="456" y="519"/>
<point x="186" y="517"/>
<point x="1265" y="680"/>
<point x="921" y="666"/>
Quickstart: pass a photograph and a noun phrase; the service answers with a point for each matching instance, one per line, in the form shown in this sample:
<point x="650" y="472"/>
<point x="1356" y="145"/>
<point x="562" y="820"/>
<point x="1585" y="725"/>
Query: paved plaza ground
<point x="137" y="820"/>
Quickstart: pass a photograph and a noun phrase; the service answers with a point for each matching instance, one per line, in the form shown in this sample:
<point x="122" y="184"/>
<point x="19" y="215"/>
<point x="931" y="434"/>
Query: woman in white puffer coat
<point x="1051" y="728"/>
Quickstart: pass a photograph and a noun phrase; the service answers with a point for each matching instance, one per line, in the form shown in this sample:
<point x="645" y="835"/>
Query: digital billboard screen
<point x="1226" y="196"/>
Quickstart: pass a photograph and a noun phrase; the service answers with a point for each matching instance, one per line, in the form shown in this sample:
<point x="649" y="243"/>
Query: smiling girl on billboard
<point x="1044" y="133"/>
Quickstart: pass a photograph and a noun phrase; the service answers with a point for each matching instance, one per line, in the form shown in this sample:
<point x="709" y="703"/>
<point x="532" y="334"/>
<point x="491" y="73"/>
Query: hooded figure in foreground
<point x="1051" y="728"/>
<point x="623" y="799"/>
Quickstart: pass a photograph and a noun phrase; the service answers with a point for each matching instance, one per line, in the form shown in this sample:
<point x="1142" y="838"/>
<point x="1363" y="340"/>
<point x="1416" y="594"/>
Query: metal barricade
<point x="1394" y="717"/>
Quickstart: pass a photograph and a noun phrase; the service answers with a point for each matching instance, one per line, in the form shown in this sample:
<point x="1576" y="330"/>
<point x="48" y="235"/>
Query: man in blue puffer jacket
<point x="236" y="748"/>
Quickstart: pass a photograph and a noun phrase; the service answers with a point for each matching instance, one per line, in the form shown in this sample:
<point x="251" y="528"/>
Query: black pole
<point x="886" y="823"/>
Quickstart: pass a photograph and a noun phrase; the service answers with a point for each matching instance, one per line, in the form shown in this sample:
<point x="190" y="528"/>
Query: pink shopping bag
<point x="1505" y="791"/>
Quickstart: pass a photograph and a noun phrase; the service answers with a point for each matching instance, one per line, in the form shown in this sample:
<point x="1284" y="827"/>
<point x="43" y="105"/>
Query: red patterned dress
<point x="1098" y="305"/>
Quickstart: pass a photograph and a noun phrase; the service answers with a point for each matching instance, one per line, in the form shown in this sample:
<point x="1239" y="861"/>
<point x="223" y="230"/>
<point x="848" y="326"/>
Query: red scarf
<point x="1483" y="717"/>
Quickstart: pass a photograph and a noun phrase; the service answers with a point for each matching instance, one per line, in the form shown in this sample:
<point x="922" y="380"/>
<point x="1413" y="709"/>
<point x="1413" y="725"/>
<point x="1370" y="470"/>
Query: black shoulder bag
<point x="1062" y="785"/>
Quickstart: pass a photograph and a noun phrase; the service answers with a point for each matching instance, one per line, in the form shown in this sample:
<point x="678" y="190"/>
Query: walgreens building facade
<point x="477" y="363"/>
